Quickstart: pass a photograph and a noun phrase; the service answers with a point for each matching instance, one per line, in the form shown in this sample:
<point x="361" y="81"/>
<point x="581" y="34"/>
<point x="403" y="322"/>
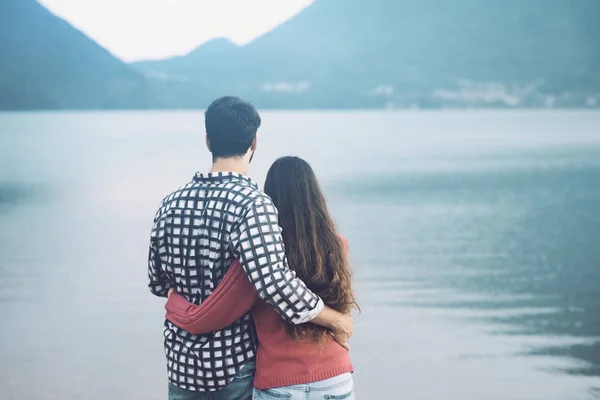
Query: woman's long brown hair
<point x="313" y="247"/>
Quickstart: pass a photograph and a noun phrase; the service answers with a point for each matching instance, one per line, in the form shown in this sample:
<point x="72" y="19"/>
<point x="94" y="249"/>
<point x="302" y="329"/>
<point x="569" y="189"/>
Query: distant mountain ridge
<point x="333" y="54"/>
<point x="376" y="53"/>
<point x="48" y="64"/>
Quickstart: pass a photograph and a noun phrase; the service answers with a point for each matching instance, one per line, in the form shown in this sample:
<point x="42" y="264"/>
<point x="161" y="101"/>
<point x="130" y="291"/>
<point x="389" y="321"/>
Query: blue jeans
<point x="239" y="389"/>
<point x="340" y="387"/>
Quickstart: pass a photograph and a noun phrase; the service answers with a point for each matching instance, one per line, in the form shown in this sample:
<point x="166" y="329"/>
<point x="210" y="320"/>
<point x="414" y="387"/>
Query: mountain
<point x="333" y="54"/>
<point x="219" y="51"/>
<point x="48" y="64"/>
<point x="400" y="53"/>
<point x="174" y="88"/>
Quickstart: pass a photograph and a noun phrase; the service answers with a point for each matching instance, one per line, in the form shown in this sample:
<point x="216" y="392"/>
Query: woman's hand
<point x="169" y="293"/>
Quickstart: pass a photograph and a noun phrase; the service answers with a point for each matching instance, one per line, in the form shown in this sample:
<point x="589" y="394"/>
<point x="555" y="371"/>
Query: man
<point x="198" y="230"/>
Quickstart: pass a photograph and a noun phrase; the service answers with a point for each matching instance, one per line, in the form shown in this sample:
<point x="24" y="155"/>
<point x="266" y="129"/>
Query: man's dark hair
<point x="231" y="124"/>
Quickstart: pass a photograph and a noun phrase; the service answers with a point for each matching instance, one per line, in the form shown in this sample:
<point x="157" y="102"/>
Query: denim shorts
<point x="339" y="387"/>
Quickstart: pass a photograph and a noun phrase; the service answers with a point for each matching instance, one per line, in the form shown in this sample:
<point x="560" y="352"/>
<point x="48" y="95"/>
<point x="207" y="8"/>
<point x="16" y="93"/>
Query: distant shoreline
<point x="308" y="109"/>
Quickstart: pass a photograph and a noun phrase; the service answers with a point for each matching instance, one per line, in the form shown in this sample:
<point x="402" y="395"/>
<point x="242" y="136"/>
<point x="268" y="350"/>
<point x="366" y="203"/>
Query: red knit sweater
<point x="281" y="360"/>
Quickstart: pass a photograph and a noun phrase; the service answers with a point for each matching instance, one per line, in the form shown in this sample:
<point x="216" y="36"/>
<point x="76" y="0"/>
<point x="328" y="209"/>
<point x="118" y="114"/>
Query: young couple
<point x="258" y="283"/>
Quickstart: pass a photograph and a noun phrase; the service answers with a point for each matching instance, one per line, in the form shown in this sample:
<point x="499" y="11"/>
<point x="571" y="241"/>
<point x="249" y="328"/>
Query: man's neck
<point x="237" y="165"/>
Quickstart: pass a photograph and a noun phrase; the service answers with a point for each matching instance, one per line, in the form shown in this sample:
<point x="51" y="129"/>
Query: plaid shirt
<point x="198" y="230"/>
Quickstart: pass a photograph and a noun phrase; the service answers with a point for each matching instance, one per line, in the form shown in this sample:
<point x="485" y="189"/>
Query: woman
<point x="293" y="361"/>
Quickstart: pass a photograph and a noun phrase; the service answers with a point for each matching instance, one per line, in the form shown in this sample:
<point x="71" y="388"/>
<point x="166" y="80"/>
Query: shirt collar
<point x="223" y="177"/>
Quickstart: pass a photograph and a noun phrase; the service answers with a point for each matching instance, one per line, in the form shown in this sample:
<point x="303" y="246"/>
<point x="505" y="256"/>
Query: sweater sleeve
<point x="231" y="300"/>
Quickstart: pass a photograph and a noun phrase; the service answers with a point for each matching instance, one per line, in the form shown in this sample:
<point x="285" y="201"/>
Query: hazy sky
<point x="142" y="29"/>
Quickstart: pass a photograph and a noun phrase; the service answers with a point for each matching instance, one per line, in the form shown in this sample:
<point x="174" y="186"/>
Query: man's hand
<point x="342" y="331"/>
<point x="342" y="340"/>
<point x="340" y="325"/>
<point x="171" y="290"/>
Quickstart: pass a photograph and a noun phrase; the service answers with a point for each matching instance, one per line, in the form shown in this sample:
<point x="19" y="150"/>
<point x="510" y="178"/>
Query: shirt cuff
<point x="310" y="315"/>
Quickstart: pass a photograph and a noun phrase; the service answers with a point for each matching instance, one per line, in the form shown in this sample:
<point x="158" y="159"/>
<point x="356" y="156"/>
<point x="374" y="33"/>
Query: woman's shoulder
<point x="344" y="242"/>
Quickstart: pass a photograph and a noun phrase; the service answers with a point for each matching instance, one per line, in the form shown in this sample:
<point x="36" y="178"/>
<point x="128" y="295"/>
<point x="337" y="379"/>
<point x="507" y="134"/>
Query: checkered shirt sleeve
<point x="258" y="244"/>
<point x="158" y="281"/>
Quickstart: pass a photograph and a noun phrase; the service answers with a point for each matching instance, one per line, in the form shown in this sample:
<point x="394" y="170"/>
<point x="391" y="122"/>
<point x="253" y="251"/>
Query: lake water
<point x="475" y="240"/>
